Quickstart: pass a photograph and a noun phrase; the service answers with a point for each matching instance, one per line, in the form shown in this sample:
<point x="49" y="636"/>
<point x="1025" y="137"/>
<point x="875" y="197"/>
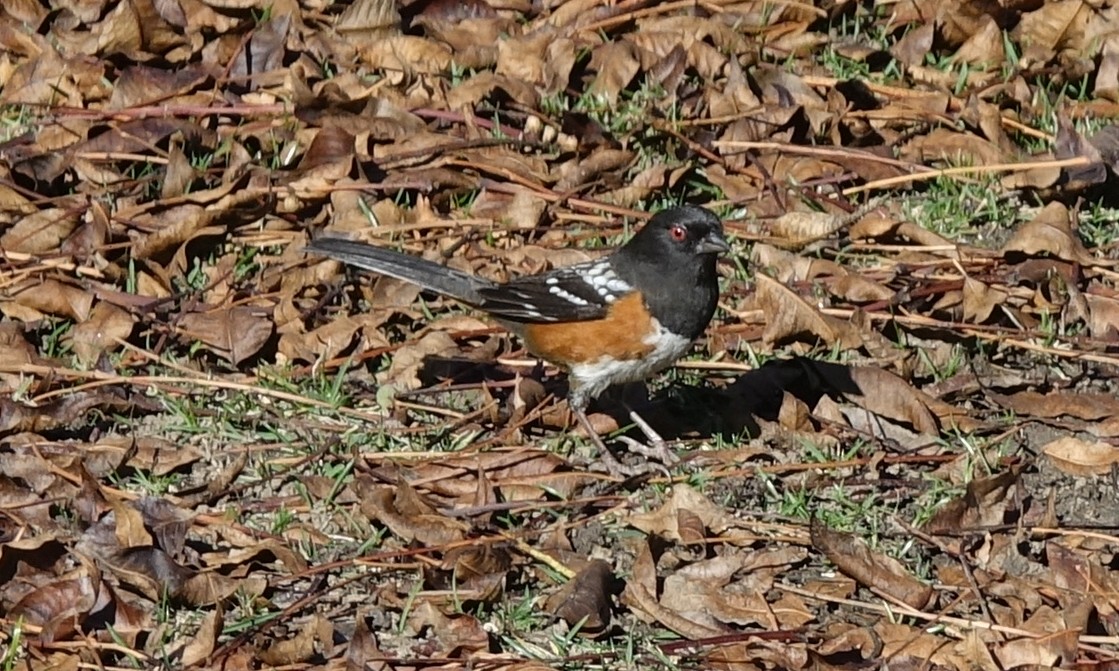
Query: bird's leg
<point x="613" y="466"/>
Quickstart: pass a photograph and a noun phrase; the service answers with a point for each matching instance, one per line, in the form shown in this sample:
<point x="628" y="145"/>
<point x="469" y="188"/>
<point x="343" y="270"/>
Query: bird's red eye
<point x="678" y="233"/>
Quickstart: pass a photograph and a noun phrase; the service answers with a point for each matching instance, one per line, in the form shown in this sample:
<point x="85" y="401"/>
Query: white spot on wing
<point x="567" y="296"/>
<point x="606" y="283"/>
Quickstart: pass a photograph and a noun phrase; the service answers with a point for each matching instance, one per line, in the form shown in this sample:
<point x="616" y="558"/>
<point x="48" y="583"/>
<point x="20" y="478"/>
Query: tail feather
<point x="432" y="276"/>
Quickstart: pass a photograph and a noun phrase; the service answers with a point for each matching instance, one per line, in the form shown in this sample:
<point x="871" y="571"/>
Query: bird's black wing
<point x="575" y="293"/>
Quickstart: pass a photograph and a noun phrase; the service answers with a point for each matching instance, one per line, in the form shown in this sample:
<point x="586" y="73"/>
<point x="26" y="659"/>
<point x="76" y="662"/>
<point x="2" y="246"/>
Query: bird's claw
<point x="653" y="450"/>
<point x="656" y="451"/>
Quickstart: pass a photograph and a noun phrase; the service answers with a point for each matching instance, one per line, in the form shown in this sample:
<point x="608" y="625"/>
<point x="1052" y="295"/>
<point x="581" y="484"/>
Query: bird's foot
<point x="607" y="459"/>
<point x="658" y="455"/>
<point x="619" y="470"/>
<point x="655" y="448"/>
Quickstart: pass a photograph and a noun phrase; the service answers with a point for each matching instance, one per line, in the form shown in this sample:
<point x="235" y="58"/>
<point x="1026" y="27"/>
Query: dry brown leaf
<point x="1087" y="406"/>
<point x="130" y="531"/>
<point x="980" y="300"/>
<point x="585" y="599"/>
<point x="104" y="330"/>
<point x="944" y="145"/>
<point x="462" y="633"/>
<point x="206" y="589"/>
<point x="41" y="231"/>
<point x="794" y="414"/>
<point x="1084" y="584"/>
<point x="15" y="354"/>
<point x="363" y="652"/>
<point x="885" y="394"/>
<point x="408" y="517"/>
<point x="915" y="44"/>
<point x="316" y="632"/>
<point x="59" y="607"/>
<point x="912" y="647"/>
<point x="1050" y="26"/>
<point x="641" y="596"/>
<point x="665" y="520"/>
<point x="1080" y="457"/>
<point x="406" y="54"/>
<point x="704" y="593"/>
<point x="366" y="21"/>
<point x="235" y="334"/>
<point x="202" y="645"/>
<point x="477" y="573"/>
<point x="1050" y="232"/>
<point x="873" y="569"/>
<point x="577" y="172"/>
<point x="149" y="453"/>
<point x="28" y="300"/>
<point x="1103" y="317"/>
<point x="60" y="412"/>
<point x="982" y="505"/>
<point x="800" y="228"/>
<point x="791" y="317"/>
<point x="983" y="47"/>
<point x="616" y="64"/>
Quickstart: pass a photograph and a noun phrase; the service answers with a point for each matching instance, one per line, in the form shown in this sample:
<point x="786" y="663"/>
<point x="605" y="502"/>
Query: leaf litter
<point x="897" y="437"/>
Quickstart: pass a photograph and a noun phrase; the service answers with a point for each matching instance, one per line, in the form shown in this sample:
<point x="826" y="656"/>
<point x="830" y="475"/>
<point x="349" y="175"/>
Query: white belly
<point x="592" y="378"/>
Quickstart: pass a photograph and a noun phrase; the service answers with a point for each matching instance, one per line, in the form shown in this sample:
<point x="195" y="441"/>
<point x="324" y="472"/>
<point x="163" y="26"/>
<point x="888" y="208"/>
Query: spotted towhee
<point x="610" y="321"/>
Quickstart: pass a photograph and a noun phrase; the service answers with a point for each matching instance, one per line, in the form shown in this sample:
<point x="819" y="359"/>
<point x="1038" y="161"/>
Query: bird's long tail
<point x="432" y="276"/>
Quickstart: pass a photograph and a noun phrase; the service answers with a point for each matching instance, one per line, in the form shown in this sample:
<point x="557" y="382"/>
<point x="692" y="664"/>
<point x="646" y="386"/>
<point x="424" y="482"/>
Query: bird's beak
<point x="713" y="243"/>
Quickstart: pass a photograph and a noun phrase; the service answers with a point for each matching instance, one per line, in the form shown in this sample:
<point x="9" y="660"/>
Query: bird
<point x="613" y="320"/>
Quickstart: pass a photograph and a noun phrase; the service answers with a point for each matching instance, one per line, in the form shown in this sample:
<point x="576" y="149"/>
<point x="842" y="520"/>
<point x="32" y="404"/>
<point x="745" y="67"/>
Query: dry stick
<point x="42" y="265"/>
<point x="1026" y="130"/>
<point x="120" y="156"/>
<point x="922" y="173"/>
<point x="821" y="151"/>
<point x="968" y="170"/>
<point x="908" y="611"/>
<point x="623" y="15"/>
<point x="442" y="149"/>
<point x="166" y="111"/>
<point x="997" y="334"/>
<point x="697" y="148"/>
<point x="714" y="6"/>
<point x="100" y="379"/>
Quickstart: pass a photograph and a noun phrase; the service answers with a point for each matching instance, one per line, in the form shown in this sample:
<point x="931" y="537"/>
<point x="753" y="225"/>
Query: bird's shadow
<point x="678" y="411"/>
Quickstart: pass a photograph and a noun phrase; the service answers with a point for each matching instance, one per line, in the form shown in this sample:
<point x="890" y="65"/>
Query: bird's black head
<point x="679" y="232"/>
<point x="672" y="260"/>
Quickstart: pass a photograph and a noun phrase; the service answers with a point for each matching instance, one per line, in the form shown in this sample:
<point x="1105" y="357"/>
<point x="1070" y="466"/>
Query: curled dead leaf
<point x="103" y="331"/>
<point x="796" y="229"/>
<point x="1080" y="457"/>
<point x="585" y="599"/>
<point x="982" y="505"/>
<point x="873" y="569"/>
<point x="235" y="333"/>
<point x="790" y="316"/>
<point x="403" y="511"/>
<point x="1050" y="232"/>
